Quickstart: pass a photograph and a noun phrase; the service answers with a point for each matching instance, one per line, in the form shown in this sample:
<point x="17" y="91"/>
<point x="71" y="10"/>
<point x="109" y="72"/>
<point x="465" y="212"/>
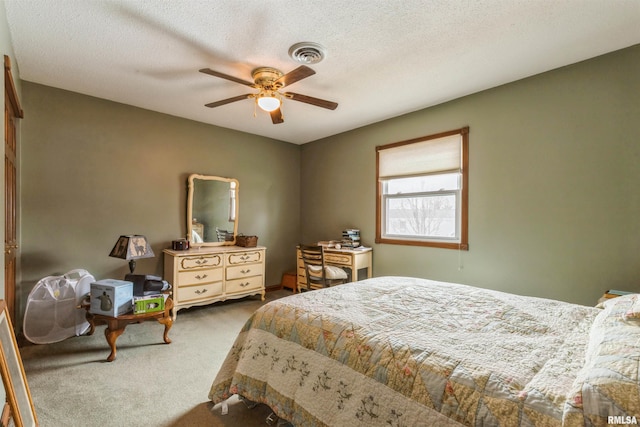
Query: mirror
<point x="212" y="210"/>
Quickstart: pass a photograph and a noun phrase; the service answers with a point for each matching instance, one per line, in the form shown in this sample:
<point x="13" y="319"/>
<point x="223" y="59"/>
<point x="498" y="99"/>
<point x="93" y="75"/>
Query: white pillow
<point x="333" y="272"/>
<point x="633" y="312"/>
<point x="330" y="272"/>
<point x="627" y="305"/>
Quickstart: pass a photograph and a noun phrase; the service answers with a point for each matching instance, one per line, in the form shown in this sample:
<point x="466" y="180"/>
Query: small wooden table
<point x="116" y="325"/>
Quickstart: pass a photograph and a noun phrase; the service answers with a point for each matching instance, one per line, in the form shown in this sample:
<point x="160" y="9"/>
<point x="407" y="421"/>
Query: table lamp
<point x="131" y="248"/>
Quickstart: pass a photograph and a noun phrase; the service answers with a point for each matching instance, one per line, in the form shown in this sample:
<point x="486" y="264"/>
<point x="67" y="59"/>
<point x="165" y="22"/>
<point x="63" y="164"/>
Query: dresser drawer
<point x="200" y="261"/>
<point x="204" y="275"/>
<point x="198" y="292"/>
<point x="207" y="275"/>
<point x="237" y="258"/>
<point x="242" y="285"/>
<point x="337" y="259"/>
<point x="246" y="270"/>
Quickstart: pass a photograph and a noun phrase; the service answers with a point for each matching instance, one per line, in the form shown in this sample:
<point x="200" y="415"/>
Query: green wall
<point x="554" y="174"/>
<point x="93" y="169"/>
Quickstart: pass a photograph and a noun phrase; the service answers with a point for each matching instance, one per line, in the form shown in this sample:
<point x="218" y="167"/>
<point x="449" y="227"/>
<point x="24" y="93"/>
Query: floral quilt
<point x="400" y="351"/>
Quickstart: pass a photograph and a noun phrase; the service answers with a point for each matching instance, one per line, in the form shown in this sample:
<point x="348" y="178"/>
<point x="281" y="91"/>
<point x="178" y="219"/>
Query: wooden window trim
<point x="464" y="194"/>
<point x="10" y="88"/>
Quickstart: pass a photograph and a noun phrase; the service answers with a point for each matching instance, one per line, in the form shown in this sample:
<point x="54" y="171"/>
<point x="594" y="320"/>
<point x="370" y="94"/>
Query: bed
<point x="401" y="351"/>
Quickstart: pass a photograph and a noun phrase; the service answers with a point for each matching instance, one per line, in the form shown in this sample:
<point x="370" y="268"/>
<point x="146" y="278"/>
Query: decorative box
<point x="246" y="241"/>
<point x="148" y="304"/>
<point x="111" y="297"/>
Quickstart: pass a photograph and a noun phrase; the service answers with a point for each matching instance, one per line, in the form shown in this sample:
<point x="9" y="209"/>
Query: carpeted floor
<point x="150" y="383"/>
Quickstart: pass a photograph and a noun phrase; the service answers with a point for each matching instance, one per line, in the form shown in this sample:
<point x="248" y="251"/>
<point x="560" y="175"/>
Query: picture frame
<point x="18" y="409"/>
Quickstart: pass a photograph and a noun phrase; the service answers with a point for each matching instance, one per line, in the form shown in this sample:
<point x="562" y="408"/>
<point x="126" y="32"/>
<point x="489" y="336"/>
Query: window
<point x="422" y="191"/>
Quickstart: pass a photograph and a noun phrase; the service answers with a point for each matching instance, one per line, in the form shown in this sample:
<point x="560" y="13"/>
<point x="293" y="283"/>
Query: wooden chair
<point x="320" y="275"/>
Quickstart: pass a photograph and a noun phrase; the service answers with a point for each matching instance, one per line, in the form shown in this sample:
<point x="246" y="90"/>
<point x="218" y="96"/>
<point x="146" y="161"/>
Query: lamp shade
<point x="268" y="102"/>
<point x="132" y="247"/>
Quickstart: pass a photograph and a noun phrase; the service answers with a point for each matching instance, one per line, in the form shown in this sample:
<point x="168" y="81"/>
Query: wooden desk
<point x="357" y="261"/>
<point x="116" y="325"/>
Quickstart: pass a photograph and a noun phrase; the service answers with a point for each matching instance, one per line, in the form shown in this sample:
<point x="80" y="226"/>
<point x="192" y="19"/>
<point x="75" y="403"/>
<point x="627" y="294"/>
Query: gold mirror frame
<point x="18" y="409"/>
<point x="232" y="208"/>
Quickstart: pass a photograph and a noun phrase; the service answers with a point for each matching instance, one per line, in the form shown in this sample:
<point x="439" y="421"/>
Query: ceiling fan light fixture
<point x="268" y="82"/>
<point x="268" y="101"/>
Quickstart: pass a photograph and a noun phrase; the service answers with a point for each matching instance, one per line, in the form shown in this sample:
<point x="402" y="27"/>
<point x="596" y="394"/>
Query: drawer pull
<point x="199" y="277"/>
<point x="244" y="257"/>
<point x="202" y="261"/>
<point x="248" y="270"/>
<point x="200" y="292"/>
<point x="244" y="284"/>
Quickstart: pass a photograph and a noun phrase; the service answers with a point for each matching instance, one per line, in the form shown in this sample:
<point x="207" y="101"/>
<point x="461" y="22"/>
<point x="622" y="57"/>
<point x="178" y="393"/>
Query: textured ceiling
<point x="385" y="57"/>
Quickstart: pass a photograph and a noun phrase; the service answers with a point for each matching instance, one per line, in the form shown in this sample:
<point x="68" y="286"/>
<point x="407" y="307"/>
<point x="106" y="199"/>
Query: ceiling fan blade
<point x="313" y="101"/>
<point x="298" y="74"/>
<point x="227" y="77"/>
<point x="227" y="101"/>
<point x="276" y="116"/>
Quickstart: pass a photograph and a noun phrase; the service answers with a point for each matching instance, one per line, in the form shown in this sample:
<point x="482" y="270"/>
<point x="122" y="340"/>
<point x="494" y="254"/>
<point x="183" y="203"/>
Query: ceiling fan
<point x="269" y="81"/>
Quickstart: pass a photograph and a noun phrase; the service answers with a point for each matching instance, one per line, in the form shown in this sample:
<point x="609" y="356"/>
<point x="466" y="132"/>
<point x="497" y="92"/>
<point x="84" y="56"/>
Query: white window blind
<point x="431" y="156"/>
<point x="422" y="191"/>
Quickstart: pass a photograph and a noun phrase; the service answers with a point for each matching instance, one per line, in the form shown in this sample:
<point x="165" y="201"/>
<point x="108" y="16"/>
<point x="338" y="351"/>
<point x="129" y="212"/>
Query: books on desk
<point x="350" y="238"/>
<point x="338" y="246"/>
<point x="613" y="293"/>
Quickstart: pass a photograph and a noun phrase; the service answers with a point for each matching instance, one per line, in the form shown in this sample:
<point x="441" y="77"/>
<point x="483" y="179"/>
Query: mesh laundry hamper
<point x="51" y="314"/>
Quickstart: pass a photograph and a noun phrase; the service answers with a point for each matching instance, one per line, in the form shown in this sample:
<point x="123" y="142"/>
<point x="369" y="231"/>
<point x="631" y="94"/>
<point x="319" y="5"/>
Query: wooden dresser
<point x="357" y="263"/>
<point x="210" y="274"/>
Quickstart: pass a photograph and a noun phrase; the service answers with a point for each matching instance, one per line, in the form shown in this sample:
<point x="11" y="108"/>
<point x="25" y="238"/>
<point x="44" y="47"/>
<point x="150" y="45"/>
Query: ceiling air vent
<point x="307" y="52"/>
